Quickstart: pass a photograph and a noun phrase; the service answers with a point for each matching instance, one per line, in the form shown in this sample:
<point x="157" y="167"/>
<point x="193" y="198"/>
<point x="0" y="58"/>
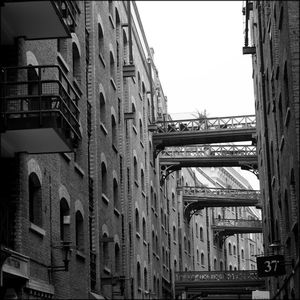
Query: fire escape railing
<point x="207" y="124"/>
<point x="208" y="150"/>
<point x="49" y="94"/>
<point x="217" y="192"/>
<point x="68" y="10"/>
<point x="216" y="275"/>
<point x="236" y="223"/>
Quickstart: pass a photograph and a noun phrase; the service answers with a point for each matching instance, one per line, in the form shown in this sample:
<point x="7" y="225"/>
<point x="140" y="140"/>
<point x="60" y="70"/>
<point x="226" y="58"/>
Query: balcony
<point x="37" y="20"/>
<point x="39" y="112"/>
<point x="227" y="227"/>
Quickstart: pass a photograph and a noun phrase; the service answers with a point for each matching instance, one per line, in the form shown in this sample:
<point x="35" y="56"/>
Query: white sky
<point x="198" y="54"/>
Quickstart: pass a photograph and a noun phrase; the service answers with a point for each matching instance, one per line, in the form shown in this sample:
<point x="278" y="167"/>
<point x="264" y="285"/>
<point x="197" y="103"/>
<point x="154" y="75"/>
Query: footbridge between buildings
<point x="207" y="283"/>
<point x="175" y="158"/>
<point x="197" y="198"/>
<point x="169" y="133"/>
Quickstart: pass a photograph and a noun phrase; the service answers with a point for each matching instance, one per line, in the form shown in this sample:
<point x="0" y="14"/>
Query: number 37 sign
<point x="270" y="265"/>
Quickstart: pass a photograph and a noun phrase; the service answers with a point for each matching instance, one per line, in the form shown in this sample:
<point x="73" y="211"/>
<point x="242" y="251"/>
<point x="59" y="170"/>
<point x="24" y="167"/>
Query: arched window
<point x="112" y="66"/>
<point x="137" y="220"/>
<point x="64" y="212"/>
<point x="156" y="242"/>
<point x="152" y="196"/>
<point x="158" y="287"/>
<point x="138" y="271"/>
<point x="135" y="169"/>
<point x="101" y="41"/>
<point x="105" y="246"/>
<point x="141" y="131"/>
<point x="142" y="180"/>
<point x="189" y="246"/>
<point x="215" y="264"/>
<point x="175" y="265"/>
<point x="117" y="258"/>
<point x="153" y="241"/>
<point x="116" y="194"/>
<point x="145" y="279"/>
<point x="201" y="234"/>
<point x="173" y="200"/>
<point x="139" y="82"/>
<point x="155" y="202"/>
<point x="174" y="233"/>
<point x="102" y="109"/>
<point x="104" y="178"/>
<point x="229" y="249"/>
<point x="230" y="267"/>
<point x="234" y="250"/>
<point x="202" y="259"/>
<point x="35" y="200"/>
<point x="114" y="132"/>
<point x="221" y="265"/>
<point x="198" y="257"/>
<point x="185" y="243"/>
<point x="134" y="113"/>
<point x="242" y="254"/>
<point x="154" y="283"/>
<point x="79" y="231"/>
<point x="76" y="62"/>
<point x="144" y="230"/>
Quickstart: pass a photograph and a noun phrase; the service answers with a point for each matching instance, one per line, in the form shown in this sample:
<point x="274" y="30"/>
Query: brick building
<point x="83" y="211"/>
<point x="274" y="45"/>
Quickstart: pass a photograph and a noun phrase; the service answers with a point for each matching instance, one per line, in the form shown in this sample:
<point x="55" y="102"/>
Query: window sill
<point x="141" y="97"/>
<point x="103" y="128"/>
<point x="142" y="144"/>
<point x="117" y="212"/>
<point x="37" y="230"/>
<point x="107" y="270"/>
<point x="145" y="243"/>
<point x="113" y="83"/>
<point x="102" y="60"/>
<point x="111" y="21"/>
<point x="156" y="214"/>
<point x="136" y="183"/>
<point x="105" y="199"/>
<point x="115" y="148"/>
<point x="143" y="194"/>
<point x="138" y="235"/>
<point x="66" y="157"/>
<point x="173" y="208"/>
<point x="80" y="255"/>
<point x="78" y="169"/>
<point x="134" y="129"/>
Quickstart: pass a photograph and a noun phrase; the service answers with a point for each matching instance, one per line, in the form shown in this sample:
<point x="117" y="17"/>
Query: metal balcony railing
<point x="221" y="223"/>
<point x="208" y="124"/>
<point x="209" y="151"/>
<point x="217" y="192"/>
<point x="39" y="92"/>
<point x="198" y="276"/>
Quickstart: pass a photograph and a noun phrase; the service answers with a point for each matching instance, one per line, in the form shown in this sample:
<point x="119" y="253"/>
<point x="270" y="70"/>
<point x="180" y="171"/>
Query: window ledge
<point x="113" y="83"/>
<point x="111" y="21"/>
<point x="173" y="208"/>
<point x="102" y="60"/>
<point x="37" y="229"/>
<point x="145" y="243"/>
<point x="156" y="214"/>
<point x="66" y="156"/>
<point x="106" y="270"/>
<point x="63" y="63"/>
<point x="80" y="255"/>
<point x="78" y="169"/>
<point x="134" y="129"/>
<point x="174" y="242"/>
<point x="117" y="212"/>
<point x="105" y="198"/>
<point x="141" y="97"/>
<point x="103" y="128"/>
<point x="138" y="235"/>
<point x="142" y="144"/>
<point x="115" y="148"/>
<point x="136" y="183"/>
<point x="143" y="194"/>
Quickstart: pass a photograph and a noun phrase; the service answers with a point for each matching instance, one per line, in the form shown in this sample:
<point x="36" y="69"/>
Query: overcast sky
<point x="198" y="54"/>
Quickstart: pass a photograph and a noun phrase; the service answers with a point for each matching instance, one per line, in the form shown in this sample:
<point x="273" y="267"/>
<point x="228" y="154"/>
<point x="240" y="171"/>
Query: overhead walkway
<point x="196" y="198"/>
<point x="227" y="227"/>
<point x="204" y="131"/>
<point x="209" y="283"/>
<point x="175" y="158"/>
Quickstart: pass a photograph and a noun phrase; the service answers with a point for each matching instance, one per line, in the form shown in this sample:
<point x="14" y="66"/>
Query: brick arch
<point x="31" y="59"/>
<point x="75" y="40"/>
<point x="63" y="193"/>
<point x="33" y="167"/>
<point x="79" y="207"/>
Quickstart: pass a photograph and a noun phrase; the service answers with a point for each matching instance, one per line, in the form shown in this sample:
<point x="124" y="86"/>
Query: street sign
<point x="270" y="265"/>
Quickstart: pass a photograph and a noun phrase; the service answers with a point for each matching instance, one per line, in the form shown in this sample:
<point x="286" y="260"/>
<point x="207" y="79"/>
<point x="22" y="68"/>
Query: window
<point x="76" y="63"/>
<point x="144" y="230"/>
<point x="201" y="234"/>
<point x="145" y="279"/>
<point x="142" y="180"/>
<point x="221" y="265"/>
<point x="174" y="233"/>
<point x="229" y="249"/>
<point x="141" y="131"/>
<point x="64" y="219"/>
<point x="104" y="178"/>
<point x="173" y="200"/>
<point x="242" y="254"/>
<point x="198" y="257"/>
<point x="114" y="132"/>
<point x="138" y="271"/>
<point x="79" y="231"/>
<point x="185" y="243"/>
<point x="102" y="109"/>
<point x="35" y="200"/>
<point x="189" y="247"/>
<point x="137" y="220"/>
<point x="135" y="169"/>
<point x="105" y="249"/>
<point x="196" y="230"/>
<point x="133" y="111"/>
<point x="117" y="259"/>
<point x="202" y="259"/>
<point x="112" y="66"/>
<point x="101" y="41"/>
<point x="116" y="194"/>
<point x="215" y="264"/>
<point x="234" y="250"/>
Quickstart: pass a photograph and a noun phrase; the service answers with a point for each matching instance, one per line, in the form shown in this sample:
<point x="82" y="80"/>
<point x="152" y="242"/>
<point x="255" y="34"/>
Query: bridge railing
<point x="208" y="150"/>
<point x="216" y="275"/>
<point x="207" y="124"/>
<point x="217" y="192"/>
<point x="237" y="223"/>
